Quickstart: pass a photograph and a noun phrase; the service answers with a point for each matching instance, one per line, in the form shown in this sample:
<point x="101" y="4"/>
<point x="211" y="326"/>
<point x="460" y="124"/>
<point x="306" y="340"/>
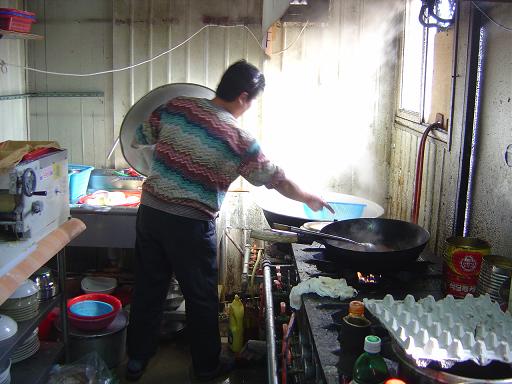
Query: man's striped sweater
<point x="200" y="150"/>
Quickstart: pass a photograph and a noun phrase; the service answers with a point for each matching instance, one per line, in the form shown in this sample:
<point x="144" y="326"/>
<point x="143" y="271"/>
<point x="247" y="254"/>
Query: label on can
<point x="466" y="262"/>
<point x="458" y="285"/>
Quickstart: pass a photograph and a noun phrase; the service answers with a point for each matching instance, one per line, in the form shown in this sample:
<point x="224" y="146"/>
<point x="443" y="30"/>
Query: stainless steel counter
<point x="110" y="227"/>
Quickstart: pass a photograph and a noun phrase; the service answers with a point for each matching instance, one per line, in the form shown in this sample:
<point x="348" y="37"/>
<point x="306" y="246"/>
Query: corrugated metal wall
<point x="491" y="207"/>
<point x="144" y="29"/>
<point x="404" y="149"/>
<point x="352" y="91"/>
<point x="13" y="123"/>
<point x="75" y="111"/>
<point x="331" y="98"/>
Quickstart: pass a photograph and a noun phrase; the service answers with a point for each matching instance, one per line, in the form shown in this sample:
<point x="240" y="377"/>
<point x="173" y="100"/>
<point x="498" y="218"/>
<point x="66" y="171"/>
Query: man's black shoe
<point x="135" y="369"/>
<point x="224" y="368"/>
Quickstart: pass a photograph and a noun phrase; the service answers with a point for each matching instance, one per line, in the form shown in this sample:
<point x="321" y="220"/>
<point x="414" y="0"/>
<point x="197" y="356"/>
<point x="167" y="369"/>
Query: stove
<point x="316" y="351"/>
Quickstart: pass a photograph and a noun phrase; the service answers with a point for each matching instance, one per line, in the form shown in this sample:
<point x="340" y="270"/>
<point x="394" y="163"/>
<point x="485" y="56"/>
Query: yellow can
<point x="462" y="263"/>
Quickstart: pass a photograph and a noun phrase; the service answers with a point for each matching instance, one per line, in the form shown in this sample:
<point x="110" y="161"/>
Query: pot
<point x="465" y="372"/>
<point x="279" y="209"/>
<point x="109" y="343"/>
<point x="396" y="242"/>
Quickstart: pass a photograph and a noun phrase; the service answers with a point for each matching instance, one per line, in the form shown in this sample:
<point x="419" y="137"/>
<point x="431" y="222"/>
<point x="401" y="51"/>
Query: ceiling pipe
<point x="418" y="179"/>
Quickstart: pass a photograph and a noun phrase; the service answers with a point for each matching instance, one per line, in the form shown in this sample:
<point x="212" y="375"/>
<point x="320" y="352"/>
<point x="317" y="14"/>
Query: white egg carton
<point x="449" y="330"/>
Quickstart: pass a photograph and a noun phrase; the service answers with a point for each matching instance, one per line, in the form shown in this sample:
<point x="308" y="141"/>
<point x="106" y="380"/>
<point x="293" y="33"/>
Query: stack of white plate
<point x="23" y="304"/>
<point x="5" y="372"/>
<point x="29" y="347"/>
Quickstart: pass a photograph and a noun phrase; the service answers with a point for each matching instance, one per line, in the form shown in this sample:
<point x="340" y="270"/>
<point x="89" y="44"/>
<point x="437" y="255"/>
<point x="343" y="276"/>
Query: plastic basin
<point x="92" y="311"/>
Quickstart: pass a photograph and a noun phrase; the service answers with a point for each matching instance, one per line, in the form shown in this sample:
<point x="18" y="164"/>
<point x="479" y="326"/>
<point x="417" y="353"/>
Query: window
<point x="425" y="82"/>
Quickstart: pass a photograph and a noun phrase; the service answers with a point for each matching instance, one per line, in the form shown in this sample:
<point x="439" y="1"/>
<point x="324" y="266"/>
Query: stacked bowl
<point x="28" y="348"/>
<point x="23" y="304"/>
<point x="8" y="328"/>
<point x="92" y="312"/>
<point x="98" y="284"/>
<point x="5" y="372"/>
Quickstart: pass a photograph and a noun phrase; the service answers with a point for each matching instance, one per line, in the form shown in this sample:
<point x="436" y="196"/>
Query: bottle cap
<point x="372" y="344"/>
<point x="394" y="381"/>
<point x="356" y="308"/>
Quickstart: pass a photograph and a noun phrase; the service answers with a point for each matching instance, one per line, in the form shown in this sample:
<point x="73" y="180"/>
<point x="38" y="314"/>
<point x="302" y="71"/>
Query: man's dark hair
<point x="240" y="77"/>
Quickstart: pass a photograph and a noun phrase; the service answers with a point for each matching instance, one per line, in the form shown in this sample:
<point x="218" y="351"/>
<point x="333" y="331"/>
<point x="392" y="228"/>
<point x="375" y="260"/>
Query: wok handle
<point x="316" y="234"/>
<point x="274" y="235"/>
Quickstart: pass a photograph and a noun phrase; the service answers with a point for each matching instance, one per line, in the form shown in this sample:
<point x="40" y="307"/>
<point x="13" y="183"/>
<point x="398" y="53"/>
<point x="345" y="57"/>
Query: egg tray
<point x="448" y="330"/>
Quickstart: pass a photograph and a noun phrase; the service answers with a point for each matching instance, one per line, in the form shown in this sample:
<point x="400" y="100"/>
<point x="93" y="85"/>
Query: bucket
<point x="462" y="264"/>
<point x="494" y="279"/>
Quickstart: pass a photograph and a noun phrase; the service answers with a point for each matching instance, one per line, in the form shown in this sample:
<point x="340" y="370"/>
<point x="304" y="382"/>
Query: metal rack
<point x="35" y="369"/>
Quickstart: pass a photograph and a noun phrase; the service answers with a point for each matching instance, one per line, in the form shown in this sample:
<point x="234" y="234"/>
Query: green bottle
<point x="370" y="367"/>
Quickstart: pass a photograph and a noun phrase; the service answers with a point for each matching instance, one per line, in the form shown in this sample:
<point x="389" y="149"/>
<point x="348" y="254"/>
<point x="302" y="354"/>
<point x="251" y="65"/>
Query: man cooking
<point x="199" y="151"/>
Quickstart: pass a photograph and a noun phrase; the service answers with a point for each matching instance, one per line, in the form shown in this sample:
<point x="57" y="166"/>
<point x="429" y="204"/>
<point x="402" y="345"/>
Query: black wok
<point x="396" y="242"/>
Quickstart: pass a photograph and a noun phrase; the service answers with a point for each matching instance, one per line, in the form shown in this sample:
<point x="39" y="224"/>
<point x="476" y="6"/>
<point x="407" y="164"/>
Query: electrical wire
<point x="490" y="18"/>
<point x="4" y="65"/>
<point x="292" y="44"/>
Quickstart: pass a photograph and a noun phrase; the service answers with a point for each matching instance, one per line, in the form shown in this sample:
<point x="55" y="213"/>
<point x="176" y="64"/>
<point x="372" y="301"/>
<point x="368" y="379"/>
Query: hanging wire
<point x="490" y="18"/>
<point x="4" y="65"/>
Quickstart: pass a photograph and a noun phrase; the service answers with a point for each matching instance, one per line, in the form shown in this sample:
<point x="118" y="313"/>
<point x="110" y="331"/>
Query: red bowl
<point x="109" y="299"/>
<point x="92" y="325"/>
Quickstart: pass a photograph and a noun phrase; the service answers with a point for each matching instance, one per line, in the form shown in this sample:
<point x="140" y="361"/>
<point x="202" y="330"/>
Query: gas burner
<point x="369" y="279"/>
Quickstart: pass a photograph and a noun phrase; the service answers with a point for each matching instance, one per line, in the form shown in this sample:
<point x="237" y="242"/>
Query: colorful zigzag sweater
<point x="199" y="151"/>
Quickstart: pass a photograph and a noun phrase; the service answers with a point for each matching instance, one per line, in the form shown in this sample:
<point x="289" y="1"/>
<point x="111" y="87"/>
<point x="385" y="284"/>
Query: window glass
<point x="412" y="67"/>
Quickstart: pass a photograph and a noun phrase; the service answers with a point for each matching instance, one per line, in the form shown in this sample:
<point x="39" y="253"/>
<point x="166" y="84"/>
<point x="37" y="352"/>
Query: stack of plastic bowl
<point x="92" y="312"/>
<point x="23" y="304"/>
<point x="98" y="284"/>
<point x="5" y="372"/>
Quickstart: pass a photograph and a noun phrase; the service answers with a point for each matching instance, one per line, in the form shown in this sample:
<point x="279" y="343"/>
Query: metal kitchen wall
<point x="92" y="36"/>
<point x="490" y="213"/>
<point x="490" y="209"/>
<point x="13" y="122"/>
<point x="75" y="111"/>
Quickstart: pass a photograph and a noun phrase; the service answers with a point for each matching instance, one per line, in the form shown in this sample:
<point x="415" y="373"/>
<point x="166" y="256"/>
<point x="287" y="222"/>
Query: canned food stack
<point x="494" y="278"/>
<point x="449" y="330"/>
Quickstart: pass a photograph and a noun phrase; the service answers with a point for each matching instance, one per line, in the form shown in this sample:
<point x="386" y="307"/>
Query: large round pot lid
<point x="140" y="158"/>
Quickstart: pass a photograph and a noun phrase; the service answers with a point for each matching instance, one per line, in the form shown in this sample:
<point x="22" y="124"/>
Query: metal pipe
<point x="468" y="123"/>
<point x="239" y="248"/>
<point x="245" y="268"/>
<point x="419" y="171"/>
<point x="61" y="270"/>
<point x="269" y="325"/>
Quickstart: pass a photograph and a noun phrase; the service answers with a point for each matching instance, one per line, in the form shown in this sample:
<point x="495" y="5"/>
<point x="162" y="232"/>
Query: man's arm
<point x="291" y="190"/>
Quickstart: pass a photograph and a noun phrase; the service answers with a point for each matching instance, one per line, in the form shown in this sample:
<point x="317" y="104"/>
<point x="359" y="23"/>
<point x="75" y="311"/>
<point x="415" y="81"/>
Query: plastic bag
<point x="89" y="369"/>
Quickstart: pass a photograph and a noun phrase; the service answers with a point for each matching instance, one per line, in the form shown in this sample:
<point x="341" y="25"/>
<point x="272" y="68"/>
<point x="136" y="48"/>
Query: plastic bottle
<point x="370" y="367"/>
<point x="354" y="327"/>
<point x="355" y="316"/>
<point x="236" y="325"/>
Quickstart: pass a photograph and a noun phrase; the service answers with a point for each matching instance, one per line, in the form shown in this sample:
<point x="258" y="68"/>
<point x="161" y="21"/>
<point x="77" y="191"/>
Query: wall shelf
<point x="18" y="35"/>
<point x="51" y="94"/>
<point x="46" y="249"/>
<point x="25" y="328"/>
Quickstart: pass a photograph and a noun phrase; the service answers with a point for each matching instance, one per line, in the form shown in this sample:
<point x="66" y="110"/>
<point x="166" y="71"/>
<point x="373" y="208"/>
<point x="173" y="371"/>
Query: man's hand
<point x="316" y="203"/>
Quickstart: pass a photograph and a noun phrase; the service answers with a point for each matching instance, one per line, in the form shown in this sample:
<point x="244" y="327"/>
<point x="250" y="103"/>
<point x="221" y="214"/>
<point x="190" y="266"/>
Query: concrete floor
<point x="172" y="364"/>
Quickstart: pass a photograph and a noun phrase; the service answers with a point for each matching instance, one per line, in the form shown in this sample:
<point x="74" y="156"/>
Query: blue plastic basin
<point x="343" y="211"/>
<point x="89" y="308"/>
